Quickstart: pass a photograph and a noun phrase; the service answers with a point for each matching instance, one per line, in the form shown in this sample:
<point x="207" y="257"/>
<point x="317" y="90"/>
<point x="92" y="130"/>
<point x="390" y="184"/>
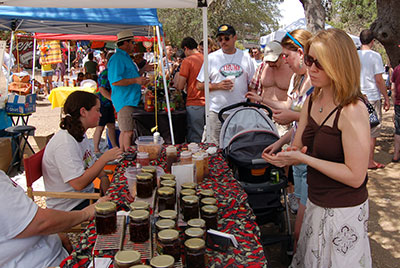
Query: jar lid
<point x="142" y="155"/>
<point x="139" y="215"/>
<point x="190" y="199"/>
<point x="140" y="266"/>
<point x="186" y="154"/>
<point x="167" y="177"/>
<point x="210" y="209"/>
<point x="165" y="191"/>
<point x="162" y="261"/>
<point x="168" y="235"/>
<point x="185" y="192"/>
<point x="198" y="156"/>
<point x="165" y="224"/>
<point x="208" y="201"/>
<point x="195" y="243"/>
<point x="194" y="232"/>
<point x="144" y="176"/>
<point x="197" y="223"/>
<point x="140" y="205"/>
<point x="149" y="169"/>
<point x="189" y="185"/>
<point x="168" y="214"/>
<point x="207" y="192"/>
<point x="127" y="256"/>
<point x="168" y="183"/>
<point x="105" y="207"/>
<point x="170" y="149"/>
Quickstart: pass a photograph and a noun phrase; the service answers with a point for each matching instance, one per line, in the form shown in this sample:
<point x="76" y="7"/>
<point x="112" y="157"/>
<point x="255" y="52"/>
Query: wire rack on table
<point x="112" y="241"/>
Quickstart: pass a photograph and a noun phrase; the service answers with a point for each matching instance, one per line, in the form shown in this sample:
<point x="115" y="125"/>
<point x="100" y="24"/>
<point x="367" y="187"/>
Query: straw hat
<point x="125" y="35"/>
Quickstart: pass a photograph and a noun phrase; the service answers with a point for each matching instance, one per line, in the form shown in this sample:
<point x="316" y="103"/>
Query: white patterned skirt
<point x="333" y="237"/>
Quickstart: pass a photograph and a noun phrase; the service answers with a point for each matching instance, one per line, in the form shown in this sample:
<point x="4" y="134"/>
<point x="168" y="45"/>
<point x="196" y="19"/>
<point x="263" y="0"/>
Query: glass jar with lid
<point x="206" y="193"/>
<point x="185" y="192"/>
<point x="209" y="214"/>
<point x="193" y="147"/>
<point x="172" y="156"/>
<point x="141" y="266"/>
<point x="139" y="226"/>
<point x="143" y="158"/>
<point x="197" y="223"/>
<point x="208" y="201"/>
<point x="206" y="158"/>
<point x="162" y="261"/>
<point x="186" y="157"/>
<point x="166" y="198"/>
<point x="168" y="214"/>
<point x="126" y="258"/>
<point x="144" y="185"/>
<point x="164" y="224"/>
<point x="153" y="171"/>
<point x="106" y="218"/>
<point x="189" y="185"/>
<point x="140" y="205"/>
<point x="168" y="243"/>
<point x="195" y="253"/>
<point x="190" y="207"/>
<point x="167" y="177"/>
<point x="168" y="183"/>
<point x="197" y="159"/>
<point x="193" y="232"/>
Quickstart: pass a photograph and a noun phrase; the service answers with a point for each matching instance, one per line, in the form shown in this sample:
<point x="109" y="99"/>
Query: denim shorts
<point x="47" y="73"/>
<point x="300" y="182"/>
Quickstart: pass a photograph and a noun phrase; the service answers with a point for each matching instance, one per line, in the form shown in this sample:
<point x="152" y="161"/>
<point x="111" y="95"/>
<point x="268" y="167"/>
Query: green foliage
<point x="251" y="18"/>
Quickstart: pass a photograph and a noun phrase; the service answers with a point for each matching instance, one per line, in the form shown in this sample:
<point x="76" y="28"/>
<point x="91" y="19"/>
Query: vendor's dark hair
<point x="366" y="36"/>
<point x="188" y="42"/>
<point x="72" y="106"/>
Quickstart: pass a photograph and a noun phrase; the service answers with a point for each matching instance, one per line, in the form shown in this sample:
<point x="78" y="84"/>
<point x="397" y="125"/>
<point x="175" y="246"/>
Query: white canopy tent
<point x="298" y="24"/>
<point x="134" y="4"/>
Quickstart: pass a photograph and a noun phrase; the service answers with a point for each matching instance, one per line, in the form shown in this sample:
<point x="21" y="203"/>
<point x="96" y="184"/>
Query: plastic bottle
<point x="172" y="156"/>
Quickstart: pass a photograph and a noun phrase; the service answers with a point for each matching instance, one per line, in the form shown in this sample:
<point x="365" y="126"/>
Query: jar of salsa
<point x="106" y="218"/>
<point x="209" y="214"/>
<point x="162" y="261"/>
<point x="143" y="158"/>
<point x="153" y="171"/>
<point x="190" y="207"/>
<point x="140" y="205"/>
<point x="197" y="223"/>
<point x="139" y="226"/>
<point x="186" y="157"/>
<point x="172" y="156"/>
<point x="126" y="258"/>
<point x="194" y="233"/>
<point x="169" y="243"/>
<point x="166" y="198"/>
<point x="144" y="185"/>
<point x="195" y="253"/>
<point x="168" y="214"/>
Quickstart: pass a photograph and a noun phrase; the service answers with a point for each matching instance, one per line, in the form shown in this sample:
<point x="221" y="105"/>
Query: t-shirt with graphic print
<point x="220" y="66"/>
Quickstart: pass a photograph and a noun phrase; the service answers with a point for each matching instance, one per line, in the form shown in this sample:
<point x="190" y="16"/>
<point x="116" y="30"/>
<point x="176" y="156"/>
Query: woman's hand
<point x="253" y="96"/>
<point x="284" y="116"/>
<point x="291" y="156"/>
<point x="111" y="154"/>
<point x="273" y="148"/>
<point x="90" y="210"/>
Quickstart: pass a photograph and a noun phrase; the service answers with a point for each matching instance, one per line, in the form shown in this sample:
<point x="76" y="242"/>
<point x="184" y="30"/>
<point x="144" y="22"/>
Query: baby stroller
<point x="245" y="133"/>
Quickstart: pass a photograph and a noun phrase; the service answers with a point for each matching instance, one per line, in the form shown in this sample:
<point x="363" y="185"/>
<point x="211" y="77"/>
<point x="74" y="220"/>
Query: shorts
<point x="47" y="73"/>
<point x="397" y="119"/>
<point x="107" y="115"/>
<point x="300" y="183"/>
<point x="125" y="118"/>
<point x="376" y="131"/>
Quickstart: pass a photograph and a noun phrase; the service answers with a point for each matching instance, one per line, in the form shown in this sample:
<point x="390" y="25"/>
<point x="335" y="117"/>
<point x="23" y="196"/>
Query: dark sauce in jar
<point x="106" y="218"/>
<point x="209" y="214"/>
<point x="144" y="185"/>
<point x="195" y="253"/>
<point x="166" y="198"/>
<point x="168" y="243"/>
<point x="153" y="171"/>
<point x="139" y="226"/>
<point x="190" y="207"/>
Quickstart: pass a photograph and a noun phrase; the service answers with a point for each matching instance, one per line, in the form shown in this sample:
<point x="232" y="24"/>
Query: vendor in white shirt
<point x="69" y="163"/>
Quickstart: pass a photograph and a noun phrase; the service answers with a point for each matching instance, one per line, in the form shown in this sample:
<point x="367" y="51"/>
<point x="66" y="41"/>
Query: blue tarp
<point x="102" y="21"/>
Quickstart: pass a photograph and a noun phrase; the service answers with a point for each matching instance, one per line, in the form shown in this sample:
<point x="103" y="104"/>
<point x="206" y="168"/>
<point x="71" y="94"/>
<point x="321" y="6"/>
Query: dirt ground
<point x="384" y="230"/>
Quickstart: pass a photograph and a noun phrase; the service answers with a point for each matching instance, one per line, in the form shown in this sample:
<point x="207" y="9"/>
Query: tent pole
<point x="9" y="67"/>
<point x="34" y="64"/>
<point x="165" y="86"/>
<point x="206" y="78"/>
<point x="69" y="58"/>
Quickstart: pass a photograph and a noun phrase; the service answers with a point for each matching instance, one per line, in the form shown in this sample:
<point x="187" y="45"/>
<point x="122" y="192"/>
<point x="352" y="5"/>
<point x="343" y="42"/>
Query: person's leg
<point x="215" y="127"/>
<point x="396" y="153"/>
<point x="195" y="123"/>
<point x="46" y="86"/>
<point x="126" y="125"/>
<point x="111" y="134"/>
<point x="50" y="79"/>
<point x="375" y="132"/>
<point x="96" y="138"/>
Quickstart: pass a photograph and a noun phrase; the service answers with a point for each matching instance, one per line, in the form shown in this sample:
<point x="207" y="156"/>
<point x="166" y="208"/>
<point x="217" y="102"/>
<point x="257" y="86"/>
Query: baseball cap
<point x="125" y="35"/>
<point x="272" y="51"/>
<point x="226" y="30"/>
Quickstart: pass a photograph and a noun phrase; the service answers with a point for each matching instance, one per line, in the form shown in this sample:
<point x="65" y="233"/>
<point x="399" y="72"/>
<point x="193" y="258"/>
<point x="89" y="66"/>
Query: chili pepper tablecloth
<point x="235" y="217"/>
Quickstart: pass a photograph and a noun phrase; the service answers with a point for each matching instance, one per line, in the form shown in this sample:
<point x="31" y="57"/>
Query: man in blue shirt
<point x="126" y="84"/>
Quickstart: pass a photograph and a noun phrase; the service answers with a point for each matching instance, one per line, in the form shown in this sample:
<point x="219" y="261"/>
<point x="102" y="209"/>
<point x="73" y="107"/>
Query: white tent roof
<point x="298" y="24"/>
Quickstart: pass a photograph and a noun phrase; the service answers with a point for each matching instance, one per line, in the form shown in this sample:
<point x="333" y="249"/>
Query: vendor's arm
<point x="181" y="83"/>
<point x="141" y="80"/>
<point x="223" y="85"/>
<point x="275" y="104"/>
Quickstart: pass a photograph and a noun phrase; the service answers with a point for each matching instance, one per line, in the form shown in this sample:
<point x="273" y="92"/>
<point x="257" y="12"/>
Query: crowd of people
<point x="317" y="86"/>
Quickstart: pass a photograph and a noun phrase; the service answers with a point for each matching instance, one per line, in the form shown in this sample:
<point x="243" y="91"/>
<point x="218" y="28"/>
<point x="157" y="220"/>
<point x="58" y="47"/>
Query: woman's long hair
<point x="72" y="106"/>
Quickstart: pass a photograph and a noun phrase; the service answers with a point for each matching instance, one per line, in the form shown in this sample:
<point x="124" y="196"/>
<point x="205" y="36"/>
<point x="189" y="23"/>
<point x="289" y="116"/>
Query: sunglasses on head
<point x="225" y="37"/>
<point x="308" y="60"/>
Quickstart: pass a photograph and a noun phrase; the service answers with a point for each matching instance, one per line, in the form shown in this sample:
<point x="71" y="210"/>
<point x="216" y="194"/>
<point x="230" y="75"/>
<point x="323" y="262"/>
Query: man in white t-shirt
<point x="8" y="62"/>
<point x="372" y="86"/>
<point x="28" y="233"/>
<point x="230" y="71"/>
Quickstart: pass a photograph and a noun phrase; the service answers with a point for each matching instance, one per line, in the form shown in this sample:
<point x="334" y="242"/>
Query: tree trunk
<point x="315" y="15"/>
<point x="387" y="28"/>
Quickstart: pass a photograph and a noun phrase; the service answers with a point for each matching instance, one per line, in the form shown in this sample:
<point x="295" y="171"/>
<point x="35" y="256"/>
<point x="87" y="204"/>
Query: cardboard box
<point x="21" y="104"/>
<point x="6" y="153"/>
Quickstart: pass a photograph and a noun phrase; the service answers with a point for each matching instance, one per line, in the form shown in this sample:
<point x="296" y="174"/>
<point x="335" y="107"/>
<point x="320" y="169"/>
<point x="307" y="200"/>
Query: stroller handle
<point x="244" y="104"/>
<point x="258" y="161"/>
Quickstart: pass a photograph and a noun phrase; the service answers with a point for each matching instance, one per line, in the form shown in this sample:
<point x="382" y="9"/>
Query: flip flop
<point x="395" y="160"/>
<point x="378" y="165"/>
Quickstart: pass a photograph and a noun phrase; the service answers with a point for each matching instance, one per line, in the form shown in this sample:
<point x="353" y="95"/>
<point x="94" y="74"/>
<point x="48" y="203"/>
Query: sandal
<point x="395" y="160"/>
<point x="378" y="165"/>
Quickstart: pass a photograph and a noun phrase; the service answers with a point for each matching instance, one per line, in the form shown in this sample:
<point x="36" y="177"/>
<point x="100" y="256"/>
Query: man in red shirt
<point x="195" y="102"/>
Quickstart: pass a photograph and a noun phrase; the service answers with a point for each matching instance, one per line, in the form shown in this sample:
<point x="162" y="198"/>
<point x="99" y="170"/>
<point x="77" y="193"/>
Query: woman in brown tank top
<point x="333" y="140"/>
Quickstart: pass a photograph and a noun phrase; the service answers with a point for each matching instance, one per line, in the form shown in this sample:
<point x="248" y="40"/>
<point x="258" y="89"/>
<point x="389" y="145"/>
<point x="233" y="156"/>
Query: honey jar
<point x="195" y="253"/>
<point x="166" y="198"/>
<point x="209" y="214"/>
<point x="190" y="207"/>
<point x="153" y="171"/>
<point x="106" y="218"/>
<point x="168" y="243"/>
<point x="144" y="185"/>
<point x="186" y="157"/>
<point x="139" y="226"/>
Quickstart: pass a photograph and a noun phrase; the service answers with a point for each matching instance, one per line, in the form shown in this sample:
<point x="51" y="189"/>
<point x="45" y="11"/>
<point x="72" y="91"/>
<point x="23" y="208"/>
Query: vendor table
<point x="145" y="121"/>
<point x="58" y="95"/>
<point x="235" y="217"/>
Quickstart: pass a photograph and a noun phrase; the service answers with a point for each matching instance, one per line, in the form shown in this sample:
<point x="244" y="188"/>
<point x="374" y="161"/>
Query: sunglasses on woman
<point x="308" y="60"/>
<point x="226" y="38"/>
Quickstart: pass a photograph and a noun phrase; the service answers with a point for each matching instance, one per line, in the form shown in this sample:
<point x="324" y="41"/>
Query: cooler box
<point x="18" y="104"/>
